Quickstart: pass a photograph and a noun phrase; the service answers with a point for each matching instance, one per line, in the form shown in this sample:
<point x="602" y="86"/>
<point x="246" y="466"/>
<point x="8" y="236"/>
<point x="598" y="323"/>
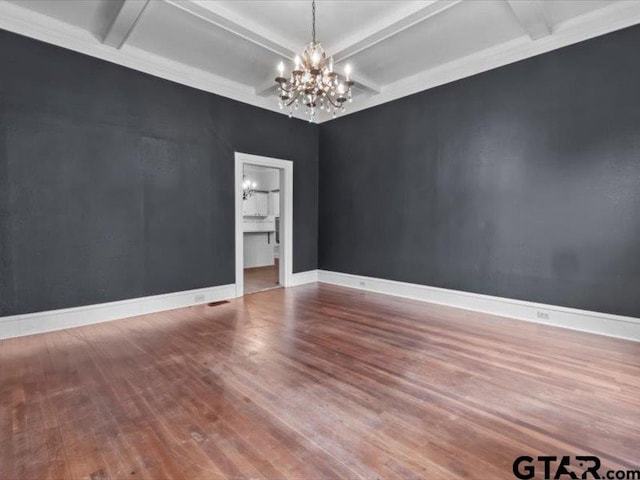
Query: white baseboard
<point x="301" y="278"/>
<point x="593" y="322"/>
<point x="31" y="323"/>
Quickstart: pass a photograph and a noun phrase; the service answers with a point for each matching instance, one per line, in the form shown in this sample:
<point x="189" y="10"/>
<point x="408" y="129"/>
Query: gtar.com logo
<point x="567" y="467"/>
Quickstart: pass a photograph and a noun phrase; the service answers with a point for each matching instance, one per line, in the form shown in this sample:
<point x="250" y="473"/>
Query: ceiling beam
<point x="124" y="23"/>
<point x="213" y="13"/>
<point x="267" y="88"/>
<point x="254" y="32"/>
<point x="391" y="26"/>
<point x="365" y="84"/>
<point x="530" y="15"/>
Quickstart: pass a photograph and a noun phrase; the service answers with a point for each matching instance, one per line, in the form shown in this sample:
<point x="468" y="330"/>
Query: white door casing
<point x="285" y="167"/>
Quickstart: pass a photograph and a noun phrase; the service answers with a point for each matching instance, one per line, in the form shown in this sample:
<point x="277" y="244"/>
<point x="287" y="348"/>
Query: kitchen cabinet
<point x="259" y="224"/>
<point x="257" y="205"/>
<point x="262" y="204"/>
<point x="249" y="206"/>
<point x="258" y="250"/>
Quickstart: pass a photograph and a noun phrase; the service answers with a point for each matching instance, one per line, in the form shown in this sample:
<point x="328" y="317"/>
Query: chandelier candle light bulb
<point x="313" y="82"/>
<point x="248" y="187"/>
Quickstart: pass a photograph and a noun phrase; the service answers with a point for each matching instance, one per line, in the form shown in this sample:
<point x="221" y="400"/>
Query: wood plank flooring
<point x="261" y="278"/>
<point x="312" y="382"/>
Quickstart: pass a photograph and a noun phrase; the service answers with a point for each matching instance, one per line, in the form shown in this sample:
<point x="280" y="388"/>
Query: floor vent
<point x="215" y="304"/>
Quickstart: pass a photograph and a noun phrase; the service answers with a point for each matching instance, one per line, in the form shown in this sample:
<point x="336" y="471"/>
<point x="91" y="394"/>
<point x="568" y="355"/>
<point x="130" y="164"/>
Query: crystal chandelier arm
<point x="293" y="99"/>
<point x="336" y="105"/>
<point x="283" y="87"/>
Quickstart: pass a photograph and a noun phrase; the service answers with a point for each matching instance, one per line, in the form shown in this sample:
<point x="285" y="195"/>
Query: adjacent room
<point x="317" y="239"/>
<point x="261" y="227"/>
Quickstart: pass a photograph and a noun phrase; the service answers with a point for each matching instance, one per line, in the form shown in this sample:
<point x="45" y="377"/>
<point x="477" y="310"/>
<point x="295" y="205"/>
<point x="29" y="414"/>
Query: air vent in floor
<point x="215" y="304"/>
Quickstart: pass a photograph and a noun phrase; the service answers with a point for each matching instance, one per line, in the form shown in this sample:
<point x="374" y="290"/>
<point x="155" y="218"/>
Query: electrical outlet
<point x="543" y="315"/>
<point x="199" y="298"/>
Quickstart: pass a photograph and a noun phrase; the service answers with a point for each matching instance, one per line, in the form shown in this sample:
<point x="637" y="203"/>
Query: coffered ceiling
<point x="396" y="47"/>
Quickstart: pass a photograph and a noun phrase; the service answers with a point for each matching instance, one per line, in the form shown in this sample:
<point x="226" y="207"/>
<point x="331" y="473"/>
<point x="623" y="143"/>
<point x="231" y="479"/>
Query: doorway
<point x="260" y="221"/>
<point x="263" y="214"/>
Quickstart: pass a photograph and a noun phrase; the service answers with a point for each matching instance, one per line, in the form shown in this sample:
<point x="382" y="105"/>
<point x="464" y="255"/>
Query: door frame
<point x="285" y="168"/>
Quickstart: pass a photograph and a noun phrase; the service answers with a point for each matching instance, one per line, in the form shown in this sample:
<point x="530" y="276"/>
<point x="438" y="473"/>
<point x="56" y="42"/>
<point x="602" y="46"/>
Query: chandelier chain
<point x="313" y="20"/>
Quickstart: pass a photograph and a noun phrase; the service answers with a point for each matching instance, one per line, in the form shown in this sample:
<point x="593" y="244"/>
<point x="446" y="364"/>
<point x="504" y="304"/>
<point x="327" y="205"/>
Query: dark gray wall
<point x="115" y="184"/>
<point x="522" y="182"/>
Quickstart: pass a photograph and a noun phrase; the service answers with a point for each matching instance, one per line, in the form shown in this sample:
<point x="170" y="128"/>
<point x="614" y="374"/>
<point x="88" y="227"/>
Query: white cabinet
<point x="274" y="204"/>
<point x="262" y="204"/>
<point x="259" y="224"/>
<point x="257" y="205"/>
<point x="258" y="250"/>
<point x="249" y="206"/>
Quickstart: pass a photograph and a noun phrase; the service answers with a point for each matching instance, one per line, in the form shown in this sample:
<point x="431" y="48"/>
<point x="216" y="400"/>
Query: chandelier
<point x="248" y="187"/>
<point x="313" y="83"/>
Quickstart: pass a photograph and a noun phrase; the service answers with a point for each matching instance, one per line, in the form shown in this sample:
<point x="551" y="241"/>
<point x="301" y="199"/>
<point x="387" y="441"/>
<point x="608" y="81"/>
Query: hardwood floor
<point x="261" y="278"/>
<point x="311" y="382"/>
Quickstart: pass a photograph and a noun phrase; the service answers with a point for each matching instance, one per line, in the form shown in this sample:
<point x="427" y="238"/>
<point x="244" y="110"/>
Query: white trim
<point x="255" y="33"/>
<point x="531" y="17"/>
<point x="216" y="14"/>
<point x="302" y="278"/>
<point x="389" y="26"/>
<point x="124" y="22"/>
<point x="31" y="323"/>
<point x="21" y="20"/>
<point x="619" y="15"/>
<point x="593" y="322"/>
<point x="286" y="216"/>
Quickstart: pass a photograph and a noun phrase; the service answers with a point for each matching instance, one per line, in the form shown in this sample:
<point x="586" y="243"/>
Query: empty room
<point x="319" y="239"/>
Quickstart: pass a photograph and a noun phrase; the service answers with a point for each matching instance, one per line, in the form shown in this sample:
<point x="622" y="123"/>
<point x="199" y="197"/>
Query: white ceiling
<point x="231" y="47"/>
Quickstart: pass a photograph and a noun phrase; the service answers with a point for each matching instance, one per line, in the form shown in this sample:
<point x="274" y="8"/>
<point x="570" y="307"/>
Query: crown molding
<point x="46" y="29"/>
<point x="256" y="34"/>
<point x="622" y="14"/>
<point x="26" y="22"/>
